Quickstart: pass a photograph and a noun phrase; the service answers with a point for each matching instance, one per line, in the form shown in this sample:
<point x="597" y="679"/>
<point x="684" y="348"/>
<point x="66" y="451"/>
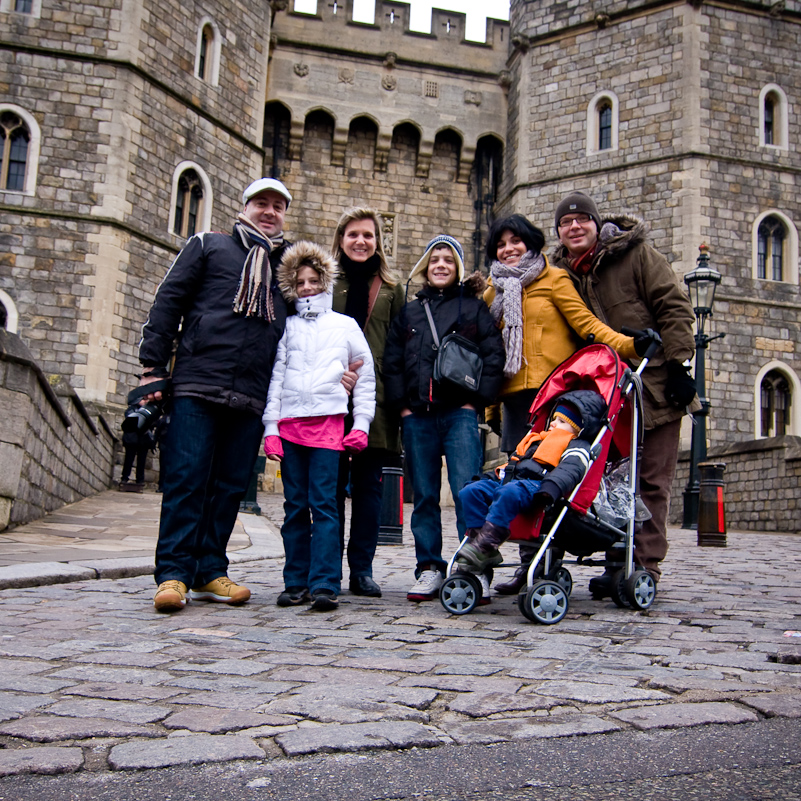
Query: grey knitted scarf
<point x="507" y="306"/>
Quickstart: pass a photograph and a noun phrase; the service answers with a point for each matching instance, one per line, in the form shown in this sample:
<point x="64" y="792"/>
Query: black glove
<point x="642" y="339"/>
<point x="680" y="386"/>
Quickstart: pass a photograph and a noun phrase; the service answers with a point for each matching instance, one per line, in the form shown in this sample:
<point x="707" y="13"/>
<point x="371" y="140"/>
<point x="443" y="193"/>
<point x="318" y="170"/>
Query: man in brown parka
<point x="626" y="283"/>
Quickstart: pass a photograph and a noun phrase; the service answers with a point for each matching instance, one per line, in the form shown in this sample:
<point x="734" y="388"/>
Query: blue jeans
<point x="313" y="558"/>
<point x="496" y="503"/>
<point x="364" y="472"/>
<point x="426" y="439"/>
<point x="209" y="453"/>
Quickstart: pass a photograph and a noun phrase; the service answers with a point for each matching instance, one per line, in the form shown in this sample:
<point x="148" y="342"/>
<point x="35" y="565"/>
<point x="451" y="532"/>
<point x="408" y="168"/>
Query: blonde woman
<point x="367" y="291"/>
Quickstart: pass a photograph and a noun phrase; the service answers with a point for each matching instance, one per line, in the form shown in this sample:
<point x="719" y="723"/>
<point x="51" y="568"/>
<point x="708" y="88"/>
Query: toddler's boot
<point x="481" y="552"/>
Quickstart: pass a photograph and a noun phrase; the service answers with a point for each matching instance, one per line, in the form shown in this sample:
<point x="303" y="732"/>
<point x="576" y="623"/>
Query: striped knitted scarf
<point x="509" y="282"/>
<point x="253" y="297"/>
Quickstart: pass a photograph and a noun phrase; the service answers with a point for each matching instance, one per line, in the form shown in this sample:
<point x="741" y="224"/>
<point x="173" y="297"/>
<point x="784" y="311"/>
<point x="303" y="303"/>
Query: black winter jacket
<point x="563" y="478"/>
<point x="409" y="354"/>
<point x="222" y="357"/>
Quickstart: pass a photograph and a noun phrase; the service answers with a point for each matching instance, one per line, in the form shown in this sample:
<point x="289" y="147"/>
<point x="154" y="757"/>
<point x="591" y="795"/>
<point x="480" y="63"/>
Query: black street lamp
<point x="702" y="282"/>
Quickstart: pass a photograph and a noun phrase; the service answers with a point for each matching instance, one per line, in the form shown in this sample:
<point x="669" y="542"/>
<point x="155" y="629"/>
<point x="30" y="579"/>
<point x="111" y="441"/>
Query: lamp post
<point x="702" y="282"/>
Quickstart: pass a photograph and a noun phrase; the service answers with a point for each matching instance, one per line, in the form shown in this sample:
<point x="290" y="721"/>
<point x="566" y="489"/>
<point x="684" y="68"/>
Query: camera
<point x="139" y="419"/>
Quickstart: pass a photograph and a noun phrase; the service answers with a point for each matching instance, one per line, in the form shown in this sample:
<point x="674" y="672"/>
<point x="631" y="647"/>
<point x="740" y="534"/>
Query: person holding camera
<point x="222" y="295"/>
<point x="627" y="283"/>
<point x="439" y="417"/>
<point x="137" y="439"/>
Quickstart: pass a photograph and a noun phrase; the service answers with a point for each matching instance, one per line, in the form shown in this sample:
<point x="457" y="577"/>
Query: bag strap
<point x="375" y="288"/>
<point x="431" y="323"/>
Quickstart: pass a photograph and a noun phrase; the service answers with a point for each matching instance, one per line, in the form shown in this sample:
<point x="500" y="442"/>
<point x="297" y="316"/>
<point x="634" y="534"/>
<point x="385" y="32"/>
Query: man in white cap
<point x="221" y="300"/>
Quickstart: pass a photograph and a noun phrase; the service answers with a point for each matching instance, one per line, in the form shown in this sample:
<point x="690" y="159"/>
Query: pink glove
<point x="355" y="441"/>
<point x="273" y="448"/>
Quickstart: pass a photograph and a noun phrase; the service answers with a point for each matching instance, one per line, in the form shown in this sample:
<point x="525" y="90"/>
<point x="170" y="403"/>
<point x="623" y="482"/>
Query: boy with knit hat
<point x="545" y="466"/>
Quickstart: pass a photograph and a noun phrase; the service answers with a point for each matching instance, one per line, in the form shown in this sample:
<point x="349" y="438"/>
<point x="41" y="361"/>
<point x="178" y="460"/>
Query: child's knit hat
<point x="570" y="414"/>
<point x="418" y="274"/>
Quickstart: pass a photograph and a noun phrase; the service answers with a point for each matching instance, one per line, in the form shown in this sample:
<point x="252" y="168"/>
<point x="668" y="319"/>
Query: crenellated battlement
<point x="333" y="28"/>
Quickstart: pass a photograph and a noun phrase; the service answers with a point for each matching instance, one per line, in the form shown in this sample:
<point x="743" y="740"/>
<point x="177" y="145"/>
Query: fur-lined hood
<point x="618" y="235"/>
<point x="305" y="254"/>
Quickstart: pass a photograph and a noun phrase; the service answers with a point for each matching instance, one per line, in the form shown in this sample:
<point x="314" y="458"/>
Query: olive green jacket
<point x="385" y="428"/>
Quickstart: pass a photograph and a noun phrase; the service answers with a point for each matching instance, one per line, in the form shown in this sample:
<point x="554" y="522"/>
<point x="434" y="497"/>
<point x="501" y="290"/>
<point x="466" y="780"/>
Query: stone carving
<point x="777" y="8"/>
<point x="346" y="75"/>
<point x="301" y="70"/>
<point x="389" y="82"/>
<point x="473" y="98"/>
<point x="390" y="59"/>
<point x="505" y="78"/>
<point x="602" y="20"/>
<point x="521" y="42"/>
<point x="388" y="237"/>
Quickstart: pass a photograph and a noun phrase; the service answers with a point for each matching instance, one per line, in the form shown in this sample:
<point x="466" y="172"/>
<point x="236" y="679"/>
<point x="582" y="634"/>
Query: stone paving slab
<point x="494" y="731"/>
<point x="46" y="759"/>
<point x="671" y="716"/>
<point x="356" y="737"/>
<point x="194" y="749"/>
<point x="48" y="729"/>
<point x="772" y="705"/>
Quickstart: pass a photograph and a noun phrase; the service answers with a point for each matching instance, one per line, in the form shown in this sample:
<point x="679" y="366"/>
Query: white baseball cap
<point x="266" y="185"/>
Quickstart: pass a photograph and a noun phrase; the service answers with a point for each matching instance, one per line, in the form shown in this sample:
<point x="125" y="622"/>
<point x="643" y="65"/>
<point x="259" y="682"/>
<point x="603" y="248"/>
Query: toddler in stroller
<point x="548" y="493"/>
<point x="545" y="467"/>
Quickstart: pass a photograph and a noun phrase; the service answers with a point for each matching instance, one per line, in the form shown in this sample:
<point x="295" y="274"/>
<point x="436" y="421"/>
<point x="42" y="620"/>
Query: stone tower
<point x="685" y="114"/>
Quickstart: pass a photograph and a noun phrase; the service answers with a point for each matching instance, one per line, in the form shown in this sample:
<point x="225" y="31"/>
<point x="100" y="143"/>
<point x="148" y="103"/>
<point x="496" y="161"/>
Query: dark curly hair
<point x="516" y="223"/>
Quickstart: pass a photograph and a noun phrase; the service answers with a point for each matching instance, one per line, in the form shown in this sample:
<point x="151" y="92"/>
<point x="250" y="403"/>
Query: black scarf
<point x="358" y="274"/>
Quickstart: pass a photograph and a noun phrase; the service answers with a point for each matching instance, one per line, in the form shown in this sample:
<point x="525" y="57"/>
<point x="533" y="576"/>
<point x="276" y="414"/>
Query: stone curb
<point x="264" y="538"/>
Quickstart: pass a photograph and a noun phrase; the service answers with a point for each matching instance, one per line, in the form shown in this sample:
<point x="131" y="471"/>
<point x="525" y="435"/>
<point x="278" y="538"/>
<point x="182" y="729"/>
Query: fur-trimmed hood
<point x="619" y="234"/>
<point x="305" y="254"/>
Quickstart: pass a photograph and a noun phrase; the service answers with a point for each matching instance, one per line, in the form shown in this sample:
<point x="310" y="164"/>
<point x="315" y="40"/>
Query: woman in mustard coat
<point x="543" y="321"/>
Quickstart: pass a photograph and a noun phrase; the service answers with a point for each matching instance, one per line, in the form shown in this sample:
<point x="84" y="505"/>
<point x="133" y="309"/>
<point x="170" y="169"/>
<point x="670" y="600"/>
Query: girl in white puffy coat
<point x="304" y="422"/>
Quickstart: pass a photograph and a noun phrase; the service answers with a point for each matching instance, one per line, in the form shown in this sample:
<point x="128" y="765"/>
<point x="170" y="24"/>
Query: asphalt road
<point x="749" y="762"/>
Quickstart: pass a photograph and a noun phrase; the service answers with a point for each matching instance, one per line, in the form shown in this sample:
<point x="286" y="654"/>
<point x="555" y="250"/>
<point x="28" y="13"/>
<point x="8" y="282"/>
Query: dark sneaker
<point x="324" y="600"/>
<point x="293" y="596"/>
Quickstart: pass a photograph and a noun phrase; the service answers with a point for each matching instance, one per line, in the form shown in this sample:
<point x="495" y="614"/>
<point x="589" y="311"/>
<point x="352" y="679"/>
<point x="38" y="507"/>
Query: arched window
<point x="775" y="406"/>
<point x="775" y="248"/>
<point x="190" y="207"/>
<point x="770" y="249"/>
<point x="602" y="123"/>
<point x="188" y="204"/>
<point x="14" y="157"/>
<point x="9" y="317"/>
<point x="605" y="127"/>
<point x="207" y="54"/>
<point x="773" y="117"/>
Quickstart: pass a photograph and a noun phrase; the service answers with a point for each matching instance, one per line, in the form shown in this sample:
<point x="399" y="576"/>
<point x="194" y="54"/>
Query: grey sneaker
<point x="426" y="587"/>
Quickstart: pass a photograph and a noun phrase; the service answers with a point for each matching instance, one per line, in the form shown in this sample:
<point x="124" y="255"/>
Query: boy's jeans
<point x="492" y="502"/>
<point x="426" y="438"/>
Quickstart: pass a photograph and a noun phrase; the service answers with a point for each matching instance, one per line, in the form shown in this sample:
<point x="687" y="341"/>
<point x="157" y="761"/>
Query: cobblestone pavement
<point x="93" y="679"/>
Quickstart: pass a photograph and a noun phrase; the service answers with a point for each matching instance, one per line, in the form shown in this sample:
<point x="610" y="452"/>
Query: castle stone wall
<point x="53" y="450"/>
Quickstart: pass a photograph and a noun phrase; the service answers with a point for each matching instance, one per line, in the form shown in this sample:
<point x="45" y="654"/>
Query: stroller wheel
<point x="460" y="593"/>
<point x="546" y="602"/>
<point x="618" y="589"/>
<point x="563" y="578"/>
<point x="640" y="589"/>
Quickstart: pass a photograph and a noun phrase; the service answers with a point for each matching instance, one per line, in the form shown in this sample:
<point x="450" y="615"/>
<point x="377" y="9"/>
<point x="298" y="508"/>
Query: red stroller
<point x="574" y="524"/>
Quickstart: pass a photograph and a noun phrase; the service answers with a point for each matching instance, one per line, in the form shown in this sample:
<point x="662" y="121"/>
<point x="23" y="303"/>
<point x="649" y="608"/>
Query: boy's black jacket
<point x="409" y="354"/>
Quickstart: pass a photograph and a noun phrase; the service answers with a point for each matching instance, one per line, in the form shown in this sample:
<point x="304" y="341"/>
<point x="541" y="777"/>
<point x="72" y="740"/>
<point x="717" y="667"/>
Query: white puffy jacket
<point x="314" y="352"/>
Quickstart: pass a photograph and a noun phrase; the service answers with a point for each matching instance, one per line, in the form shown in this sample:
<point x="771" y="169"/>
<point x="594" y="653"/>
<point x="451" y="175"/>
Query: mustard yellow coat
<point x="555" y="321"/>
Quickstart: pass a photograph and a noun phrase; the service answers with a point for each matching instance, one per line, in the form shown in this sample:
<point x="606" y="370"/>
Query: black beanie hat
<point x="577" y="203"/>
